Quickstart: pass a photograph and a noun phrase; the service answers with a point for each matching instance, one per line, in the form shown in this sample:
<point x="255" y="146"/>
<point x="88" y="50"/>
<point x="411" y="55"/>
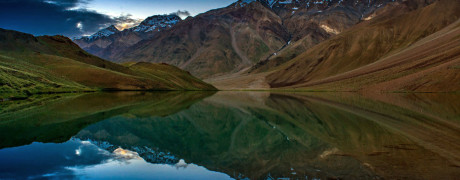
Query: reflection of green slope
<point x="59" y="118"/>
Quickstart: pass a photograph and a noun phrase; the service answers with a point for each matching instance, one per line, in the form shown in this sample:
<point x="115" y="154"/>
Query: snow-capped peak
<point x="156" y="23"/>
<point x="151" y="24"/>
<point x="104" y="33"/>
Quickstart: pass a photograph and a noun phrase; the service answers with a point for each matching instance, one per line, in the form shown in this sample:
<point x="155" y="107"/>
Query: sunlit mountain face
<point x="228" y="135"/>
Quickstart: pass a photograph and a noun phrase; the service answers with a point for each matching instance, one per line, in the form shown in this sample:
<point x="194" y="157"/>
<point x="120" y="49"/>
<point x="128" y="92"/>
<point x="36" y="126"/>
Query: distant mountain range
<point x="107" y="42"/>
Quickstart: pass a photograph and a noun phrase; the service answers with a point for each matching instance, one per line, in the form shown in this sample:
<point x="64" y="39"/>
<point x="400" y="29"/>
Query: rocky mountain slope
<point x="393" y="52"/>
<point x="311" y="22"/>
<point x="248" y="32"/>
<point x="219" y="41"/>
<point x="45" y="64"/>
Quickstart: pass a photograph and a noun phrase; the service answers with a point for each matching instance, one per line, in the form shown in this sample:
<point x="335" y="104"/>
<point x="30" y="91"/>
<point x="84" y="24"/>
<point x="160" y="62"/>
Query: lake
<point x="231" y="135"/>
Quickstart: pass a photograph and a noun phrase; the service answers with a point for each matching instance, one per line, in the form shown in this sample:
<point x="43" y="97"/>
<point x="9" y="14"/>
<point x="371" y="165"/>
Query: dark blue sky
<point x="75" y="18"/>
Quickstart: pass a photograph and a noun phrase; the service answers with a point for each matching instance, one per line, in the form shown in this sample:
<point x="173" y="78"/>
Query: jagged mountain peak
<point x="112" y="28"/>
<point x="156" y="23"/>
<point x="321" y="4"/>
<point x="161" y="18"/>
<point x="103" y="33"/>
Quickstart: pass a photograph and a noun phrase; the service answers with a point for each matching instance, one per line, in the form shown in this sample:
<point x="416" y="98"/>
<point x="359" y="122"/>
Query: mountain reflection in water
<point x="255" y="135"/>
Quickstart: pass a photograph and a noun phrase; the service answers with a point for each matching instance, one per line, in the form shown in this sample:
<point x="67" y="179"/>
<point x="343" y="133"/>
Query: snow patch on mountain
<point x="285" y="2"/>
<point x="104" y="33"/>
<point x="271" y="3"/>
<point x="242" y="3"/>
<point x="157" y="23"/>
<point x="329" y="29"/>
<point x="369" y="17"/>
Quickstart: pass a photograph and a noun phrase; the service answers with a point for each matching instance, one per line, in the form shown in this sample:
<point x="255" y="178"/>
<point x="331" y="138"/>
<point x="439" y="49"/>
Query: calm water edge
<point x="231" y="135"/>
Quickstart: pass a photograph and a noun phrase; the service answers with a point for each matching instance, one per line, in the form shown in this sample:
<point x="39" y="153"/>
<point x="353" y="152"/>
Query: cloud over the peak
<point x="182" y="14"/>
<point x="126" y="21"/>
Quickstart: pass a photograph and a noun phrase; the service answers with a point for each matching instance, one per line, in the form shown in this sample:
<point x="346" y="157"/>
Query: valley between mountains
<point x="304" y="45"/>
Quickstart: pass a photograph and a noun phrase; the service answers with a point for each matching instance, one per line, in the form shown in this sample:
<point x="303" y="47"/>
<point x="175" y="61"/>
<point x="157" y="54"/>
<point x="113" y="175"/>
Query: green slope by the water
<point x="49" y="64"/>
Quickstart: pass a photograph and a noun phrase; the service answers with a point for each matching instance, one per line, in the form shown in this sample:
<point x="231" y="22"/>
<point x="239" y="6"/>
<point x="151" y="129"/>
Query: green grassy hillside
<point x="49" y="64"/>
<point x="170" y="75"/>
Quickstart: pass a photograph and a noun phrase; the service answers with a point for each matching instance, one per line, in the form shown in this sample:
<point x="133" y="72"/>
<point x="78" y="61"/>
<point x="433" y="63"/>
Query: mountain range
<point x="326" y="45"/>
<point x="234" y="38"/>
<point x="308" y="45"/>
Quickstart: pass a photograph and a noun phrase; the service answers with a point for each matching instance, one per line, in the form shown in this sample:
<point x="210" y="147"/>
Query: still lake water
<point x="231" y="135"/>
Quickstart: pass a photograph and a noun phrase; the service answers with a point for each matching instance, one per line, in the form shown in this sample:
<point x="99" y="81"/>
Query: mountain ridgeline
<point x="234" y="38"/>
<point x="48" y="64"/>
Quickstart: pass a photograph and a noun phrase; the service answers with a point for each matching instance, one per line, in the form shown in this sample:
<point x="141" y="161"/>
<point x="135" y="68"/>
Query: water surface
<point x="231" y="135"/>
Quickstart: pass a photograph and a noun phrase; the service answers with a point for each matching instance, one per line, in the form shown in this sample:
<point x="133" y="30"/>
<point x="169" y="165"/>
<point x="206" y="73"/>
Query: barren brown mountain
<point x="311" y="22"/>
<point x="408" y="46"/>
<point x="219" y="41"/>
<point x="393" y="47"/>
